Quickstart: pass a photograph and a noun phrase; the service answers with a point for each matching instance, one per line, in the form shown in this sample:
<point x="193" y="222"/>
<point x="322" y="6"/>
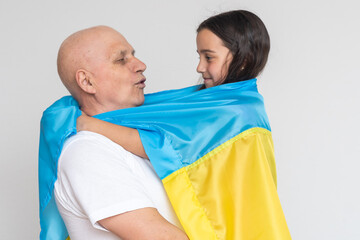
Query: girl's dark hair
<point x="245" y="35"/>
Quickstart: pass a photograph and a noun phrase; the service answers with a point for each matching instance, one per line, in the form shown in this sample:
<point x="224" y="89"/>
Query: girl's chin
<point x="208" y="82"/>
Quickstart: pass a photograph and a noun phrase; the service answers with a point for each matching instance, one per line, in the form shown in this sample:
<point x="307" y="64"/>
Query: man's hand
<point x="142" y="224"/>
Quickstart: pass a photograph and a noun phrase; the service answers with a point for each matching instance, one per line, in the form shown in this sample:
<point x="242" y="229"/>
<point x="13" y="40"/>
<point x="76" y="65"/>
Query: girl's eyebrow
<point x="205" y="51"/>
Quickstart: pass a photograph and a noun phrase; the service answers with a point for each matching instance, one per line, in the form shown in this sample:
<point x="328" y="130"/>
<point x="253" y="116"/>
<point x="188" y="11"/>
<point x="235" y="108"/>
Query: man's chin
<point x="140" y="102"/>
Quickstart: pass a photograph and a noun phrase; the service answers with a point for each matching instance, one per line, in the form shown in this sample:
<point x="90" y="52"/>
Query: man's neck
<point x="91" y="106"/>
<point x="95" y="110"/>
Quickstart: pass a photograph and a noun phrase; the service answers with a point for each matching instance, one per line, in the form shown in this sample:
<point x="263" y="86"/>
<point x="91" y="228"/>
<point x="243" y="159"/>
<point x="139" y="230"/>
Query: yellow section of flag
<point x="230" y="193"/>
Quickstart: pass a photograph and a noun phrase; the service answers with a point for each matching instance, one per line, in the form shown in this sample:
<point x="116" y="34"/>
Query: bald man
<point x="103" y="191"/>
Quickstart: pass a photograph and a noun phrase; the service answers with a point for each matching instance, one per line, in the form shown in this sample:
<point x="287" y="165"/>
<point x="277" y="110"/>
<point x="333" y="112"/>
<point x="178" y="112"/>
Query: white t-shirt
<point x="98" y="179"/>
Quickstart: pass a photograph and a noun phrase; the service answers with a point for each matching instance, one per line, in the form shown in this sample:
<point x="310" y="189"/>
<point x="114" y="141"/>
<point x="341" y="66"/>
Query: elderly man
<point x="103" y="191"/>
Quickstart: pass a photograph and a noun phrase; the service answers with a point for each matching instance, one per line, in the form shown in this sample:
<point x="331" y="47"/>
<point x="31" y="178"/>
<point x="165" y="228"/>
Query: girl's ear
<point x="243" y="65"/>
<point x="84" y="81"/>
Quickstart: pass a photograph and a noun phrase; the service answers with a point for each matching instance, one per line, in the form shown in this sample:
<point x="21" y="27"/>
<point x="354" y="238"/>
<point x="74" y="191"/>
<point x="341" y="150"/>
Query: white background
<point x="311" y="89"/>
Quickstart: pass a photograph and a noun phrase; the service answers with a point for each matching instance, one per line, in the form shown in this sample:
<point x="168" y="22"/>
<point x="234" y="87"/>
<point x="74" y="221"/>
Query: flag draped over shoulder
<point x="212" y="149"/>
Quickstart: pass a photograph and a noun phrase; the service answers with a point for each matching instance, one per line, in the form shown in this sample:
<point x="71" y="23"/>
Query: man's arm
<point x="101" y="183"/>
<point x="142" y="224"/>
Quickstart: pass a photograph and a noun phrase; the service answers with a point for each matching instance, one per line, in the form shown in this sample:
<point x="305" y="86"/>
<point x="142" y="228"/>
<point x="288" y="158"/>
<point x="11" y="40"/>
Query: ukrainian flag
<point x="212" y="149"/>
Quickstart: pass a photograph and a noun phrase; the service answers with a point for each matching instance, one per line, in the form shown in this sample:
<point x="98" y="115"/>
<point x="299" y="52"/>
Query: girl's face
<point x="215" y="58"/>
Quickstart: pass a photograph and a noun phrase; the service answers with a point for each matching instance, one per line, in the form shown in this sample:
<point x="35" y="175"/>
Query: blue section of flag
<point x="177" y="127"/>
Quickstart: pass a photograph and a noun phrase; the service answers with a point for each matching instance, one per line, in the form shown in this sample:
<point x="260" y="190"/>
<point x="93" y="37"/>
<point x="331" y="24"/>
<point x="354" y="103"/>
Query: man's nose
<point x="139" y="66"/>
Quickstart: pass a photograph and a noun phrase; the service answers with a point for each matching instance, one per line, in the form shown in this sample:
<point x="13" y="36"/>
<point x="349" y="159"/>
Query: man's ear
<point x="84" y="81"/>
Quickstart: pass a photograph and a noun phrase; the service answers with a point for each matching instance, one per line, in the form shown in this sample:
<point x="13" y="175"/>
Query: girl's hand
<point x="128" y="138"/>
<point x="84" y="122"/>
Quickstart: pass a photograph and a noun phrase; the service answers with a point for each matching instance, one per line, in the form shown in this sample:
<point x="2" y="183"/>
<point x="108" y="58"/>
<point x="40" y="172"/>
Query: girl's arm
<point x="126" y="137"/>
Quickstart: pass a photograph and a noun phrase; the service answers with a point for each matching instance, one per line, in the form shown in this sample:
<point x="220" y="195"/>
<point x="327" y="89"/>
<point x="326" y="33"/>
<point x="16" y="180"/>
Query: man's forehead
<point x="108" y="38"/>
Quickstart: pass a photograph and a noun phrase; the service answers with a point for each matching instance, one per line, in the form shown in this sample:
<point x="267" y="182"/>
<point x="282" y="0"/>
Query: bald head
<point x="79" y="51"/>
<point x="98" y="67"/>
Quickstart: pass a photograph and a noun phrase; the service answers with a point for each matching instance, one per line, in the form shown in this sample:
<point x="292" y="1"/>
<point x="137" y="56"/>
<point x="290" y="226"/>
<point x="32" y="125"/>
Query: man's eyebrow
<point x="124" y="52"/>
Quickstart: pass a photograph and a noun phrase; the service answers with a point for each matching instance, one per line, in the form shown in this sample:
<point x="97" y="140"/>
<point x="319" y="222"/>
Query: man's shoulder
<point x="86" y="136"/>
<point x="91" y="141"/>
<point x="88" y="148"/>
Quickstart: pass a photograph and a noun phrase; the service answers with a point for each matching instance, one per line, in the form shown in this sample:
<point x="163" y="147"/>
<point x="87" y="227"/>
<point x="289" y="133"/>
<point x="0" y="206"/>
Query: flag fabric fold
<point x="212" y="149"/>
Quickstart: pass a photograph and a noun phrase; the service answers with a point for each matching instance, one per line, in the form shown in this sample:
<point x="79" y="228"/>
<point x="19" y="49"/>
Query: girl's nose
<point x="200" y="68"/>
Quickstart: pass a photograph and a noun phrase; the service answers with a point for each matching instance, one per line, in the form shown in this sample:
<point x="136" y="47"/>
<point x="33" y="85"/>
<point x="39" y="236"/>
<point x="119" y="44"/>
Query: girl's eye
<point x="208" y="58"/>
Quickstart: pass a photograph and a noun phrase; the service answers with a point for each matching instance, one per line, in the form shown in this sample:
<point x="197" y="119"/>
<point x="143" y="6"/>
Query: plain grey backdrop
<point x="310" y="85"/>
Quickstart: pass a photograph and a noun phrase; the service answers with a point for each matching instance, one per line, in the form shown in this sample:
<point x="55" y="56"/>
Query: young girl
<point x="233" y="46"/>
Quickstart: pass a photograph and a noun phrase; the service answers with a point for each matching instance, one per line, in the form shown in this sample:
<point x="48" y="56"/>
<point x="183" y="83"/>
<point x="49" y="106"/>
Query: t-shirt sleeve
<point x="96" y="180"/>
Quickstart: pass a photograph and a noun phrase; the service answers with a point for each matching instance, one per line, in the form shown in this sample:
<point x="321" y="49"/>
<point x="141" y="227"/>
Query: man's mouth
<point x="141" y="83"/>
